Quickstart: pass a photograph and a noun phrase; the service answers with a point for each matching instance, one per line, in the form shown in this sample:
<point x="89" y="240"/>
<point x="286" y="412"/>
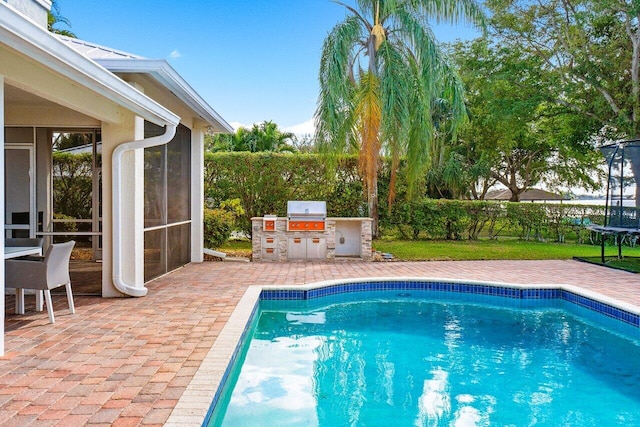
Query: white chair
<point x="43" y="274"/>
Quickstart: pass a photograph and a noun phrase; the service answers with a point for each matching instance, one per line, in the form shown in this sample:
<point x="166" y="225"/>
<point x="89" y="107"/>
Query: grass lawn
<point x="490" y="249"/>
<point x="239" y="248"/>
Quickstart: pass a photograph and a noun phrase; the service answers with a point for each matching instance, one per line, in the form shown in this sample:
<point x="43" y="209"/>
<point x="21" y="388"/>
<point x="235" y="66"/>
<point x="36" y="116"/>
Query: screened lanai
<point x="54" y="187"/>
<point x="53" y="191"/>
<point x="76" y="123"/>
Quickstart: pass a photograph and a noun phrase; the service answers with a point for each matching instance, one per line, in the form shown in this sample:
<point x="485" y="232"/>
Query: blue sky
<point x="251" y="60"/>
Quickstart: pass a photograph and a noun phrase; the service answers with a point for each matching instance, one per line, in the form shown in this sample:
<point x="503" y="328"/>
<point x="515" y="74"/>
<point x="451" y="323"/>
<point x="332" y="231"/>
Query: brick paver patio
<point x="127" y="361"/>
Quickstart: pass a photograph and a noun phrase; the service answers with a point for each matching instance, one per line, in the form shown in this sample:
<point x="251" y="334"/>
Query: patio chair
<point x="43" y="274"/>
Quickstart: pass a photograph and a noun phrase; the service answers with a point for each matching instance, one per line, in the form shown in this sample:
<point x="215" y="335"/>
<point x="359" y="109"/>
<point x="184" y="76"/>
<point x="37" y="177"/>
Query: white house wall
<point x="197" y="195"/>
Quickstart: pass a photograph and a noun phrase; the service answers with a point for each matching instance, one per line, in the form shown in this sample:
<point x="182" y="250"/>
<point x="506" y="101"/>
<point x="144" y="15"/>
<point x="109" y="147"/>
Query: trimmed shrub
<point x="456" y="217"/>
<point x="531" y="218"/>
<point x="220" y="222"/>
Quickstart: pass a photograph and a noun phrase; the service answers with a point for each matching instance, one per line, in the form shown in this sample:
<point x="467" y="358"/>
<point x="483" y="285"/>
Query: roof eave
<point x="36" y="43"/>
<point x="164" y="73"/>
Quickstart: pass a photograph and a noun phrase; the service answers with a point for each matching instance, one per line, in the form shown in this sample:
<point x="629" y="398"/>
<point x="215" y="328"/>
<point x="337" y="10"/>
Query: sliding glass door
<point x="20" y="212"/>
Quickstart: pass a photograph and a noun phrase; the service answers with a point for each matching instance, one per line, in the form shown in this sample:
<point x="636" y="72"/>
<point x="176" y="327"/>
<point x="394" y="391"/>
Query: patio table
<point x="15" y="252"/>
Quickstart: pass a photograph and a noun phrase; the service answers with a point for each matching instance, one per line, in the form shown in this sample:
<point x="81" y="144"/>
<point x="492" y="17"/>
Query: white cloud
<point x="305" y="128"/>
<point x="238" y="125"/>
<point x="175" y="54"/>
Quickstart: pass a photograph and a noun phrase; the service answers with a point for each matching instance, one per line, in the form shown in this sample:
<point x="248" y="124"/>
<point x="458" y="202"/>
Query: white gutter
<point x="116" y="191"/>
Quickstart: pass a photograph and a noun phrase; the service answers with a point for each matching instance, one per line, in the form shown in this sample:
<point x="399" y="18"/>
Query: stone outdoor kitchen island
<point x="306" y="234"/>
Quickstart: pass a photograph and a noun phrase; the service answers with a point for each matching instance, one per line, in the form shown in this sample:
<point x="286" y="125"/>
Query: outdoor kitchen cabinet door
<point x="316" y="248"/>
<point x="307" y="248"/>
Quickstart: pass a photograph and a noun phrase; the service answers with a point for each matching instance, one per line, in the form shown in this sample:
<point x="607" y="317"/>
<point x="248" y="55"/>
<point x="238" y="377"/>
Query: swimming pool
<point x="425" y="353"/>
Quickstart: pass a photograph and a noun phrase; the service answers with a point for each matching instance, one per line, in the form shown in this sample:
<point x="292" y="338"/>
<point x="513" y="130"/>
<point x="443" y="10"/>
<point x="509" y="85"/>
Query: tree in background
<point x="380" y="70"/>
<point x="516" y="135"/>
<point x="590" y="47"/>
<point x="591" y="50"/>
<point x="54" y="18"/>
<point x="264" y="136"/>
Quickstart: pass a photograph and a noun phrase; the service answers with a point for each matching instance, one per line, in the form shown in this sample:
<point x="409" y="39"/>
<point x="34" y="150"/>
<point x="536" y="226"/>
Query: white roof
<point x="159" y="69"/>
<point x="95" y="51"/>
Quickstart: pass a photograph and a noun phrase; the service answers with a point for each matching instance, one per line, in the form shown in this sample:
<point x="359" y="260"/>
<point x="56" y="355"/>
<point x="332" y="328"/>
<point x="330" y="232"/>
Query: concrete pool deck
<point x="127" y="362"/>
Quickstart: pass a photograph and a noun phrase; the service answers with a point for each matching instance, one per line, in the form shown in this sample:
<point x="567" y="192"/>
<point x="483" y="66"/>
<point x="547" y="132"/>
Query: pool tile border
<point x="194" y="405"/>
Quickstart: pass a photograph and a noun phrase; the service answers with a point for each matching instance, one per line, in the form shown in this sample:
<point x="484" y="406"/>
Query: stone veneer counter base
<point x="341" y="238"/>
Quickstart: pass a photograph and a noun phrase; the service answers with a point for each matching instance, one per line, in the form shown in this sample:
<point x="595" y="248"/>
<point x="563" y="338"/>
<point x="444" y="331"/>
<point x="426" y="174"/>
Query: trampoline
<point x="621" y="217"/>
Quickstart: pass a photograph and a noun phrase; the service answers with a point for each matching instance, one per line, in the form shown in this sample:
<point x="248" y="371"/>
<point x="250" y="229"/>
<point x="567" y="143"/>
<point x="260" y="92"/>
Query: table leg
<point x="19" y="301"/>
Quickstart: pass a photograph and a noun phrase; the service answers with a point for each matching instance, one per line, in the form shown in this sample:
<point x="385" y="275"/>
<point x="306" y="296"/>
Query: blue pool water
<point x="410" y="359"/>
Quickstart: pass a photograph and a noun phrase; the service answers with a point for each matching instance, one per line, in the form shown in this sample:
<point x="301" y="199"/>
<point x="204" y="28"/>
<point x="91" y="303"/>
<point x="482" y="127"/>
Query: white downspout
<point x="119" y="151"/>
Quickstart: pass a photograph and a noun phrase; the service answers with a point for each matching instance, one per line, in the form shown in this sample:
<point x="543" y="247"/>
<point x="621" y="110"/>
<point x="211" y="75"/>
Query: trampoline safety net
<point x="623" y="184"/>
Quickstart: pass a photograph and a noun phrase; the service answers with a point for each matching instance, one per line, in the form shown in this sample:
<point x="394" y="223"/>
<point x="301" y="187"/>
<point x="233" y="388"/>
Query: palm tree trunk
<point x="372" y="203"/>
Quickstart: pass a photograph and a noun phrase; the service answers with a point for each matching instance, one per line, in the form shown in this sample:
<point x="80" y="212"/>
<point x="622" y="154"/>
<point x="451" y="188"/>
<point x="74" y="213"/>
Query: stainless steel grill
<point x="306" y="215"/>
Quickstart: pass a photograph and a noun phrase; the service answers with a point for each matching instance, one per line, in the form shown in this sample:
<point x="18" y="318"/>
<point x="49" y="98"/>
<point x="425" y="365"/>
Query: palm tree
<point x="267" y="137"/>
<point x="261" y="137"/>
<point x="55" y="18"/>
<point x="380" y="71"/>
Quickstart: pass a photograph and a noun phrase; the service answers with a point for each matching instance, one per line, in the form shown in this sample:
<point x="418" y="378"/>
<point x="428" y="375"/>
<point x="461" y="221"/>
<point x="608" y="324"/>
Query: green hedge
<point x="239" y="186"/>
<point x="469" y="219"/>
<point x="264" y="182"/>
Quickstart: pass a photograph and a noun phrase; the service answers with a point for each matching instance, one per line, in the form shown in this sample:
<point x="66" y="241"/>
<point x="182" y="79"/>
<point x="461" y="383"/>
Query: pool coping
<point x="194" y="404"/>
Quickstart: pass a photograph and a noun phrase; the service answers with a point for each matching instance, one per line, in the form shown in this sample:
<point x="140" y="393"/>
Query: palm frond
<point x="336" y="87"/>
<point x="450" y="11"/>
<point x="364" y="22"/>
<point x="395" y="86"/>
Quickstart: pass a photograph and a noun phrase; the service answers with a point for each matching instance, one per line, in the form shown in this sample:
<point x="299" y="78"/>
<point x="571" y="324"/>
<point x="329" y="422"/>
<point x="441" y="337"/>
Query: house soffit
<point x="15" y="96"/>
<point x="26" y="108"/>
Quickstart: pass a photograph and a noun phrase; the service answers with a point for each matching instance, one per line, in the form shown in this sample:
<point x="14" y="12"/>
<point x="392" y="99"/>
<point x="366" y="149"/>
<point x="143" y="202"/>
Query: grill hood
<point x="306" y="209"/>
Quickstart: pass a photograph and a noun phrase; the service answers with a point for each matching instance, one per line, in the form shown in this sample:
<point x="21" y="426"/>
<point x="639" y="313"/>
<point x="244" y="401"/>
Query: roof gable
<point x="159" y="69"/>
